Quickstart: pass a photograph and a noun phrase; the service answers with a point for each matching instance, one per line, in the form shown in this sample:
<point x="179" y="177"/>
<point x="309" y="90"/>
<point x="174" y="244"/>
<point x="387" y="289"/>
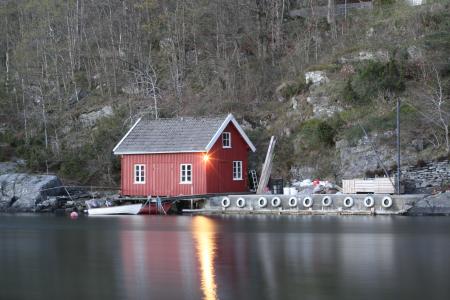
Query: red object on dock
<point x="152" y="208"/>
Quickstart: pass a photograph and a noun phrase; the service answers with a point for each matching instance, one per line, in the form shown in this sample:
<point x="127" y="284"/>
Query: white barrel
<point x="293" y="191"/>
<point x="286" y="191"/>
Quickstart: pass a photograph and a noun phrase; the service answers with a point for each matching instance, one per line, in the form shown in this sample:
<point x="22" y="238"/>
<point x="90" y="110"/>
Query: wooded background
<point x="60" y="60"/>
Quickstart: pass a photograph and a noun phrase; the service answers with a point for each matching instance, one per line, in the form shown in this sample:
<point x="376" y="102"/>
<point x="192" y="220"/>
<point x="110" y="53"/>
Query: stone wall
<point x="427" y="176"/>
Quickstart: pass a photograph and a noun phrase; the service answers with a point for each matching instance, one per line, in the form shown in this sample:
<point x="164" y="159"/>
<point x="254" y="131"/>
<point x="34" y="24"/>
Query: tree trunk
<point x="331" y="17"/>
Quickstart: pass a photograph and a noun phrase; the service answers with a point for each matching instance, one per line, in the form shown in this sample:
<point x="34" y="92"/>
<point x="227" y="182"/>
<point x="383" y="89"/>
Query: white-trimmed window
<point x="226" y="140"/>
<point x="139" y="174"/>
<point x="185" y="173"/>
<point x="237" y="170"/>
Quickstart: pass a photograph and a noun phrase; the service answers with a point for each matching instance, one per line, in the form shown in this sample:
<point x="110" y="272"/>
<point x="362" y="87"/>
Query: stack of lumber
<point x="373" y="185"/>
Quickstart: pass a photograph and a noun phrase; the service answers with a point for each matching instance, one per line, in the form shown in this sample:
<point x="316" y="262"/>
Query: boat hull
<point x="152" y="208"/>
<point x="132" y="209"/>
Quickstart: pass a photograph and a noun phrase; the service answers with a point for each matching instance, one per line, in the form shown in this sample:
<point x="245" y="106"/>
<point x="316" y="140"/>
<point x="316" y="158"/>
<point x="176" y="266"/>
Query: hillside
<point x="74" y="76"/>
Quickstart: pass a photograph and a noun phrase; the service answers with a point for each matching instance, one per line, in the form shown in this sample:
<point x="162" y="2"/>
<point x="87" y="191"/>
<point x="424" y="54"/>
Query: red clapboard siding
<point x="219" y="169"/>
<point x="162" y="171"/>
<point x="162" y="174"/>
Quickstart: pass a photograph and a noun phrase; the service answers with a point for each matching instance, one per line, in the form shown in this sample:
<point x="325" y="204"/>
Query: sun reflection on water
<point x="203" y="230"/>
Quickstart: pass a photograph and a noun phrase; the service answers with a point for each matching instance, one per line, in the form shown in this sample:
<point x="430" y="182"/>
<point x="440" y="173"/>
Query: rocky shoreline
<point x="433" y="205"/>
<point x="21" y="192"/>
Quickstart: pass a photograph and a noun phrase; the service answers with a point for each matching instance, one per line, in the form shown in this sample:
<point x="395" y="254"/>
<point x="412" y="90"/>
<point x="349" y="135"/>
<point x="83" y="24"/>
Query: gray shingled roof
<point x="170" y="135"/>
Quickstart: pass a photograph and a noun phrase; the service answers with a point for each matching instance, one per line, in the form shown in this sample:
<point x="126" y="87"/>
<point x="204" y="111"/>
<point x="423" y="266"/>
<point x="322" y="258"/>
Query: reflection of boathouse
<point x="269" y="257"/>
<point x="184" y="156"/>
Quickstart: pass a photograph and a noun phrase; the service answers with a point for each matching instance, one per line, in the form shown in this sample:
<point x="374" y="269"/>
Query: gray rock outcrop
<point x="355" y="160"/>
<point x="358" y="158"/>
<point x="432" y="205"/>
<point x="415" y="53"/>
<point x="415" y="2"/>
<point x="24" y="192"/>
<point x="7" y="167"/>
<point x="323" y="107"/>
<point x="316" y="77"/>
<point x="90" y="119"/>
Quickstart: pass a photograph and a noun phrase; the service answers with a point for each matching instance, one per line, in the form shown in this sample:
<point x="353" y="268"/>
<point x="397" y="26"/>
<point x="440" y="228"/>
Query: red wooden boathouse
<point x="184" y="156"/>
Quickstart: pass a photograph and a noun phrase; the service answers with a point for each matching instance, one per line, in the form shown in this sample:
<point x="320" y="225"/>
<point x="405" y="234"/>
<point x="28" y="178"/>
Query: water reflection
<point x="249" y="257"/>
<point x="203" y="230"/>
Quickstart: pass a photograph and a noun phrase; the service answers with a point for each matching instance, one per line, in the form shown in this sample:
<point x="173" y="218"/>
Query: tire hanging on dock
<point x="240" y="202"/>
<point x="327" y="201"/>
<point x="348" y="202"/>
<point x="225" y="202"/>
<point x="276" y="201"/>
<point x="308" y="202"/>
<point x="369" y="202"/>
<point x="386" y="202"/>
<point x="262" y="202"/>
<point x="293" y="202"/>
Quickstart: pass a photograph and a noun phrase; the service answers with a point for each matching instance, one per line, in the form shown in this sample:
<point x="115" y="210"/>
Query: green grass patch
<point x="317" y="133"/>
<point x="374" y="123"/>
<point x="372" y="79"/>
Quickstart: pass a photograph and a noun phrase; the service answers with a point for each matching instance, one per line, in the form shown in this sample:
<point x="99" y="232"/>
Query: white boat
<point x="131" y="209"/>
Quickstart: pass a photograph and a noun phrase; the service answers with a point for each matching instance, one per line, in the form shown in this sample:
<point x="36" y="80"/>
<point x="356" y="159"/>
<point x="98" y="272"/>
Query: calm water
<point x="252" y="257"/>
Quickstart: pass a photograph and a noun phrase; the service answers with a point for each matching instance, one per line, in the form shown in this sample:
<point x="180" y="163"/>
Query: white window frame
<point x="184" y="173"/>
<point x="237" y="170"/>
<point x="139" y="178"/>
<point x="228" y="134"/>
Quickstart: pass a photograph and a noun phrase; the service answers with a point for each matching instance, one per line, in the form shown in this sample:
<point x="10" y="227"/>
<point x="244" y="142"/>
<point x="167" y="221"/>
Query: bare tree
<point x="146" y="82"/>
<point x="434" y="107"/>
<point x="440" y="106"/>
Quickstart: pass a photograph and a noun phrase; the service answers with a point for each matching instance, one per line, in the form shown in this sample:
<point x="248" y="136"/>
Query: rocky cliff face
<point x="356" y="160"/>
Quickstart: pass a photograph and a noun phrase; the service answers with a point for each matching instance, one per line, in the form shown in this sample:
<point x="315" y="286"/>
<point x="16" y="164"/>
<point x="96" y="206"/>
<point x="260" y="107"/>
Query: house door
<point x="163" y="179"/>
